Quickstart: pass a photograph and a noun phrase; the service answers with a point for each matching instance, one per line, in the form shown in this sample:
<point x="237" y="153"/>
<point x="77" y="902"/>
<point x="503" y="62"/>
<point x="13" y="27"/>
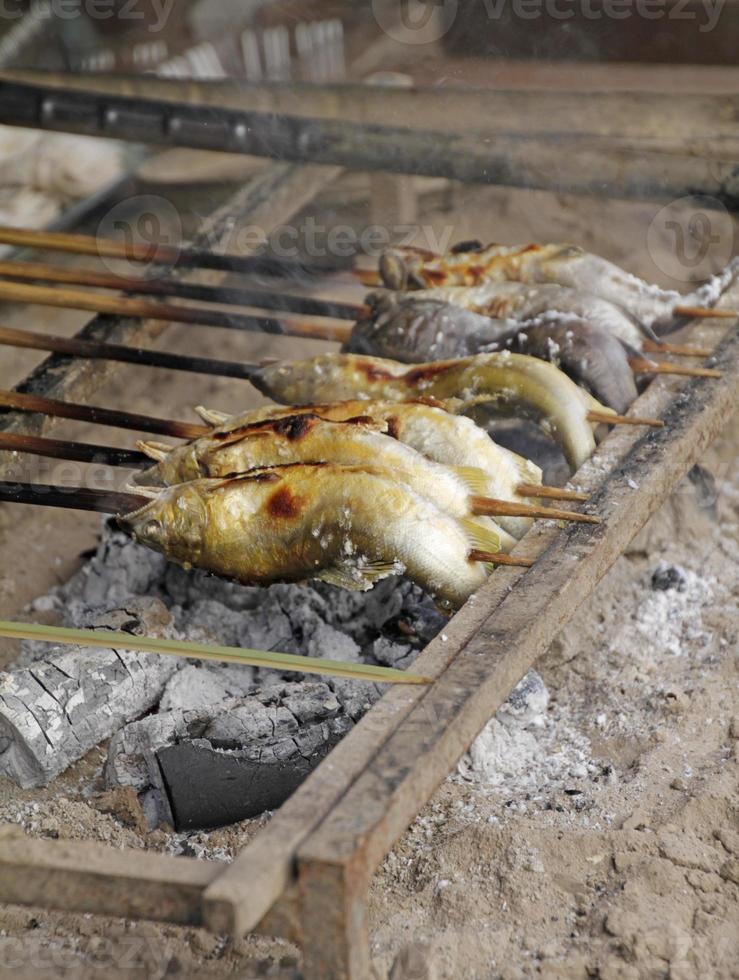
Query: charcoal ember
<point x="666" y="577"/>
<point x="55" y="710"/>
<point x="192" y="688"/>
<point x="120" y="568"/>
<point x="526" y="703"/>
<point x="207" y="766"/>
<point x="391" y="654"/>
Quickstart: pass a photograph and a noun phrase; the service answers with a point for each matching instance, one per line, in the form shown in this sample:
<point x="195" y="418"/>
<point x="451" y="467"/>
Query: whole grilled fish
<point x="513" y="383"/>
<point x="342" y="524"/>
<point x="308" y="438"/>
<point x="430" y="428"/>
<point x="472" y="263"/>
<point x="411" y="328"/>
<point x="522" y="302"/>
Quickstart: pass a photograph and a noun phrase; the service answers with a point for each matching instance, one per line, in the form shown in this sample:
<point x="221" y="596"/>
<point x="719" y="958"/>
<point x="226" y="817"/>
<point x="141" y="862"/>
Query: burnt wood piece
<point x="208" y="787"/>
<point x="630" y="115"/>
<point x="55" y="710"/>
<point x="592" y="165"/>
<point x="270" y="198"/>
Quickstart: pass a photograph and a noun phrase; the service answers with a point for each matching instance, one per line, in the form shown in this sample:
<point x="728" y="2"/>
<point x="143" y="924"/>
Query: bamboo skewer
<point x="497" y="558"/>
<point x="263" y="299"/>
<point x="75" y="347"/>
<point x="202" y="651"/>
<point x="71" y="498"/>
<point x="22" y="402"/>
<point x="552" y="493"/>
<point x="78" y="452"/>
<point x="504" y="508"/>
<point x="640" y="366"/>
<point x="706" y="312"/>
<point x="679" y="350"/>
<point x="77" y="299"/>
<point x="161" y="254"/>
<point x="609" y="419"/>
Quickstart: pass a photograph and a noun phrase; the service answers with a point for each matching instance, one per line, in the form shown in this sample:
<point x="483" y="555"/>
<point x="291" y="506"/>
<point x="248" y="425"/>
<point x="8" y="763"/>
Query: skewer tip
<point x="498" y="558"/>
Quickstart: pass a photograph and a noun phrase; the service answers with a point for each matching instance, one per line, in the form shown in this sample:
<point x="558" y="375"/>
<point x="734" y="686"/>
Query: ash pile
<point x="202" y="744"/>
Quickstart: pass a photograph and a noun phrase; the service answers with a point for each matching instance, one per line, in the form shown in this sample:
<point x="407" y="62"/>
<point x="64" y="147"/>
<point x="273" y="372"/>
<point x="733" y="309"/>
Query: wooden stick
<point x="127" y="355"/>
<point x="22" y="402"/>
<point x="679" y="350"/>
<point x="498" y="558"/>
<point x="220" y="654"/>
<point x="706" y="312"/>
<point x="263" y="299"/>
<point x="71" y="498"/>
<point x="76" y="299"/>
<point x="504" y="508"/>
<point x="551" y="493"/>
<point x="183" y="257"/>
<point x="614" y="419"/>
<point x="79" y="452"/>
<point x="640" y="366"/>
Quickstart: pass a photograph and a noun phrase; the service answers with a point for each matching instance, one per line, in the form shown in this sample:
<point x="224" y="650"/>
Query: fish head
<point x="174" y="522"/>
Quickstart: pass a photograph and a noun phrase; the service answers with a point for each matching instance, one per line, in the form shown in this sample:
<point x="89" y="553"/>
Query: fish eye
<point x="152" y="527"/>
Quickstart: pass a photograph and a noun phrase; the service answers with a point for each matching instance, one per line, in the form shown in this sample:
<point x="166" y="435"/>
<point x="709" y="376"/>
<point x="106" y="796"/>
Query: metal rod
<point x="127" y="355"/>
<point x="77" y="299"/>
<point x="71" y="498"/>
<point x="263" y="299"/>
<point x="78" y="452"/>
<point x="598" y="166"/>
<point x="160" y="254"/>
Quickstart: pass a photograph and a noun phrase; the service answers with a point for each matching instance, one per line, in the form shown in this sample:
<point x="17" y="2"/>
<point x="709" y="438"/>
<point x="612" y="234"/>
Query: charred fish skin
<point x="564" y="265"/>
<point x="293" y="523"/>
<point x="592" y="357"/>
<point x="308" y="438"/>
<point x="411" y="328"/>
<point x="513" y="383"/>
<point x="432" y="429"/>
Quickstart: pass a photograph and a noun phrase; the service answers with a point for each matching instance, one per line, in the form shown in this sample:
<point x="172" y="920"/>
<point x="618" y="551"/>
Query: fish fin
<point x="210" y="415"/>
<point x="358" y="578"/>
<point x="483" y="537"/>
<point x="154" y="450"/>
<point x="475" y="479"/>
<point x="144" y="490"/>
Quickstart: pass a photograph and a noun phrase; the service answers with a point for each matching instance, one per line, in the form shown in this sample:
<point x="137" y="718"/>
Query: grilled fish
<point x="342" y="524"/>
<point x="308" y="438"/>
<point x="519" y="302"/>
<point x="512" y="383"/>
<point x="589" y="355"/>
<point x="429" y="427"/>
<point x="411" y="328"/>
<point x="472" y="263"/>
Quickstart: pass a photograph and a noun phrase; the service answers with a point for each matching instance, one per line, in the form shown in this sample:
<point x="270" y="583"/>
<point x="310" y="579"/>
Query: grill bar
<point x="603" y="167"/>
